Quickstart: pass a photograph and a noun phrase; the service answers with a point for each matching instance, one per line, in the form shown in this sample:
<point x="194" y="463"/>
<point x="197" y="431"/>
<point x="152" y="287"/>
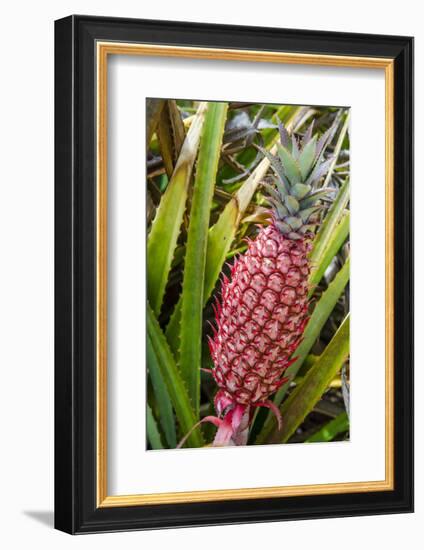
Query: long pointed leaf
<point x="337" y="149"/>
<point x="152" y="431"/>
<point x="166" y="414"/>
<point x="306" y="159"/>
<point x="303" y="399"/>
<point x="195" y="259"/>
<point x="166" y="226"/>
<point x="320" y="167"/>
<point x="290" y="165"/>
<point x="170" y="374"/>
<point x="338" y="237"/>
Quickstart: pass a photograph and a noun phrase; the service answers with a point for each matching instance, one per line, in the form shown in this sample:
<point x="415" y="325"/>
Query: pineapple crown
<point x="298" y="167"/>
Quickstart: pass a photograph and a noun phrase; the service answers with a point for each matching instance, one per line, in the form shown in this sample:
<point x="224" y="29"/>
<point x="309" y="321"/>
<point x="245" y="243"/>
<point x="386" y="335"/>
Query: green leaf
<point x="164" y="133"/>
<point x="282" y="182"/>
<point x="319" y="316"/>
<point x="312" y="199"/>
<point x="337" y="149"/>
<point x="166" y="415"/>
<point x="292" y="204"/>
<point x="166" y="226"/>
<point x="307" y="213"/>
<point x="338" y="237"/>
<point x="330" y="234"/>
<point x="221" y="236"/>
<point x="303" y="399"/>
<point x="294" y="147"/>
<point x="295" y="223"/>
<point x="290" y="165"/>
<point x="271" y="191"/>
<point x="152" y="430"/>
<point x="279" y="207"/>
<point x="327" y="137"/>
<point x="307" y="158"/>
<point x="320" y="169"/>
<point x="177" y="390"/>
<point x="195" y="259"/>
<point x="330" y="430"/>
<point x="300" y="190"/>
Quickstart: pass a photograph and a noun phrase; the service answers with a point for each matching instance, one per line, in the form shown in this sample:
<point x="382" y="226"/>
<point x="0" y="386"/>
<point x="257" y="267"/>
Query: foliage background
<point x="315" y="405"/>
<point x="29" y="516"/>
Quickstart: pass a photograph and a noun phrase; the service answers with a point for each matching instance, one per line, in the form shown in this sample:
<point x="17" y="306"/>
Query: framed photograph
<point x="234" y="274"/>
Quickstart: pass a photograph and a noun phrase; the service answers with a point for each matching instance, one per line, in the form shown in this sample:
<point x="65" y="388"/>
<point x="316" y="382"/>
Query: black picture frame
<point x="76" y="510"/>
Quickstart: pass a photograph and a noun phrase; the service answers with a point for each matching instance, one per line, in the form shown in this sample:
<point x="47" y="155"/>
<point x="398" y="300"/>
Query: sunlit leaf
<point x="195" y="258"/>
<point x="177" y="390"/>
<point x="166" y="225"/>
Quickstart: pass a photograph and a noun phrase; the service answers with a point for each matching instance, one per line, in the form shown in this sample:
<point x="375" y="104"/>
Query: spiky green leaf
<point x="283" y="227"/>
<point x="338" y="237"/>
<point x="271" y="191"/>
<point x="313" y="198"/>
<point x="320" y="170"/>
<point x="176" y="388"/>
<point x="307" y="213"/>
<point x="166" y="414"/>
<point x="307" y="157"/>
<point x="329" y="234"/>
<point x="195" y="259"/>
<point x="153" y="431"/>
<point x="331" y="429"/>
<point x="294" y="147"/>
<point x="337" y="148"/>
<point x="278" y="170"/>
<point x="284" y="135"/>
<point x="292" y="204"/>
<point x="166" y="225"/>
<point x="278" y="207"/>
<point x="290" y="165"/>
<point x="308" y="134"/>
<point x="300" y="190"/>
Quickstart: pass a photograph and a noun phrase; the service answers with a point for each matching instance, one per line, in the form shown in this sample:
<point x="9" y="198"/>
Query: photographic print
<point x="247" y="273"/>
<point x="203" y="283"/>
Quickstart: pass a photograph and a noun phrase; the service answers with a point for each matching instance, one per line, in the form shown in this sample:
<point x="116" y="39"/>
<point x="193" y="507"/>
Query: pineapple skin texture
<point x="261" y="317"/>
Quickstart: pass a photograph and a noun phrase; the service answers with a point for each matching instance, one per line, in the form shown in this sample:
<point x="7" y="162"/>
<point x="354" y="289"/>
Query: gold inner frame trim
<point x="103" y="50"/>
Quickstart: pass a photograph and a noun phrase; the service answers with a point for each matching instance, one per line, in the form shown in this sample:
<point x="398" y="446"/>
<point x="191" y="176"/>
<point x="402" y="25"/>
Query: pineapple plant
<point x="263" y="311"/>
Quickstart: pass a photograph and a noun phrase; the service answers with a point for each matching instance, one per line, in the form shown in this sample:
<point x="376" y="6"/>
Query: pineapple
<point x="263" y="310"/>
